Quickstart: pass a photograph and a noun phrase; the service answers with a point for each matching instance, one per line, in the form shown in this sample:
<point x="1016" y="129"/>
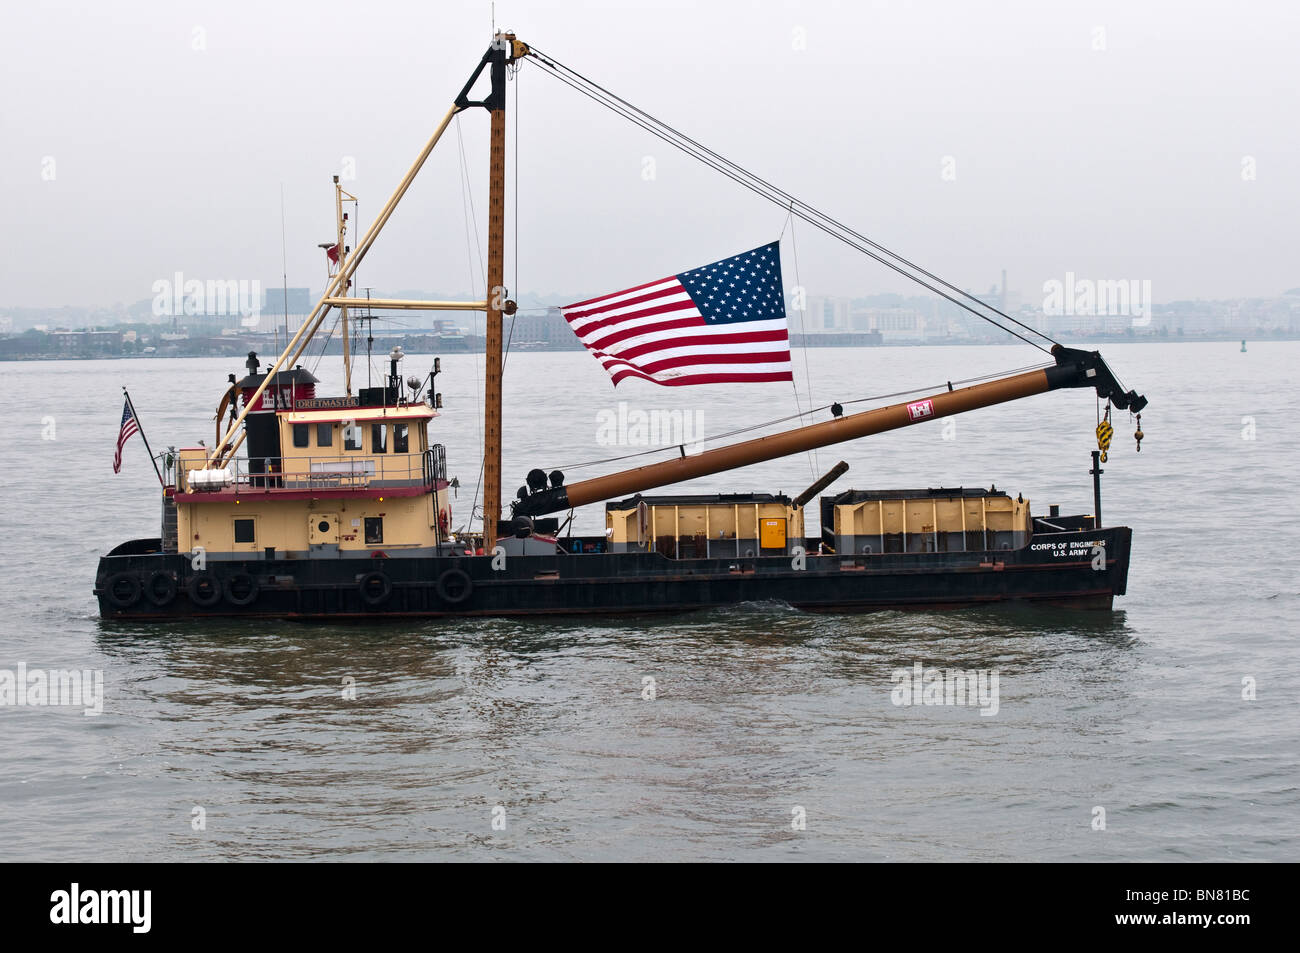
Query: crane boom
<point x="1073" y="368"/>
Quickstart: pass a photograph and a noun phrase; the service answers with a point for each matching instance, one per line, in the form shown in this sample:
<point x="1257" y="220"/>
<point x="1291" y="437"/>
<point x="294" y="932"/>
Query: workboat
<point x="340" y="506"/>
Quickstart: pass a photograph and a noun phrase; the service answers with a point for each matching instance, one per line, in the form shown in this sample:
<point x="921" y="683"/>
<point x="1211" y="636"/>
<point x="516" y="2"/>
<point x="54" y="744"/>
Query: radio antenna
<point x="284" y="261"/>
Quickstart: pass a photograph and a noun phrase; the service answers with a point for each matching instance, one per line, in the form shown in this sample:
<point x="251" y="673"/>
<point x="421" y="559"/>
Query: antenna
<point x="370" y="338"/>
<point x="284" y="261"/>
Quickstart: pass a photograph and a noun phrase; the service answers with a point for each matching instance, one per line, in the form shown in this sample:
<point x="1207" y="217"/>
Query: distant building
<point x="896" y="325"/>
<point x="543" y="327"/>
<point x="301" y="302"/>
<point x="825" y="314"/>
<point x="86" y="342"/>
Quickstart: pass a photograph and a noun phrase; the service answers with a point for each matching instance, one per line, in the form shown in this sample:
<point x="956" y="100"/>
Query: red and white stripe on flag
<point x="129" y="429"/>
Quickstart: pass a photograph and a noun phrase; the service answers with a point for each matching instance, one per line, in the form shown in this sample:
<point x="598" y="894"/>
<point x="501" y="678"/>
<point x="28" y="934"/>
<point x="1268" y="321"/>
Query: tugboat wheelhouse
<point x="317" y="483"/>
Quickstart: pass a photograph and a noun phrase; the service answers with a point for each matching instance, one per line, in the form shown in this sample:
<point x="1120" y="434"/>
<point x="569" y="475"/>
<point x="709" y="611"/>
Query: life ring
<point x="160" y="588"/>
<point x="241" y="589"/>
<point x="204" y="590"/>
<point x="455" y="586"/>
<point x="375" y="588"/>
<point x="123" y="589"/>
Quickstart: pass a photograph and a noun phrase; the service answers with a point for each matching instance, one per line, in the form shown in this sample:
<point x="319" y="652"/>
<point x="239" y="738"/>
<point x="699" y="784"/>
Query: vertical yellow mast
<point x="342" y="221"/>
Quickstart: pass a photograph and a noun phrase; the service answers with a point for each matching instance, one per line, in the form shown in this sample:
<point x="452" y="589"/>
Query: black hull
<point x="335" y="589"/>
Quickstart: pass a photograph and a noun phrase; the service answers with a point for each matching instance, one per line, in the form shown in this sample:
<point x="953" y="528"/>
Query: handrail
<point x="350" y="472"/>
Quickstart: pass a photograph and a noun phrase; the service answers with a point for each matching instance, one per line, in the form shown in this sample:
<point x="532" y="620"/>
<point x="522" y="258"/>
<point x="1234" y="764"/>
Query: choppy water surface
<point x="759" y="712"/>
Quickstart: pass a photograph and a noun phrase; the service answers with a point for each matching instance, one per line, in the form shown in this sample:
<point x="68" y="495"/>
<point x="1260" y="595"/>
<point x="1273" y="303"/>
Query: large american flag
<point x="129" y="428"/>
<point x="720" y="323"/>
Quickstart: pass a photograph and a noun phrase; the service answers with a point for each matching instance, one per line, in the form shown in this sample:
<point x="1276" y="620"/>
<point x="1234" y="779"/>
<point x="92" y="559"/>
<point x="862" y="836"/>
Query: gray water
<point x="759" y="712"/>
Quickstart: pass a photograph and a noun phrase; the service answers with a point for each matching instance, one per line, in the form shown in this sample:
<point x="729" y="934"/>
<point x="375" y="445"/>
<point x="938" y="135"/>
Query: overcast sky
<point x="1115" y="140"/>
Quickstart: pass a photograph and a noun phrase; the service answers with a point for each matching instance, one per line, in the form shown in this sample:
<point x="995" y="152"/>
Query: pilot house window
<point x="401" y="438"/>
<point x="352" y="438"/>
<point x="244" y="532"/>
<point x="374" y="530"/>
<point x="300" y="435"/>
<point x="324" y="435"/>
<point x="379" y="438"/>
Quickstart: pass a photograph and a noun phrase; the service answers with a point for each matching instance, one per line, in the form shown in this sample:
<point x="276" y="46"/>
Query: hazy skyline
<point x="1100" y="139"/>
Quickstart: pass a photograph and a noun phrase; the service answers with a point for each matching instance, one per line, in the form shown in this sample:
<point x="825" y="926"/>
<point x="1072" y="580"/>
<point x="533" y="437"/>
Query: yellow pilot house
<point x="324" y="477"/>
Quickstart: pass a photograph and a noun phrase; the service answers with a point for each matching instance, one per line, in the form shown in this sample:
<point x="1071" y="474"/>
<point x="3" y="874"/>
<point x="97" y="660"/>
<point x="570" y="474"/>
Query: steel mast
<point x="495" y="296"/>
<point x="505" y="49"/>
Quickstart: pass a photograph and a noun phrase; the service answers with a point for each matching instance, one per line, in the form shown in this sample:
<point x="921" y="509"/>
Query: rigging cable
<point x="356" y="279"/>
<point x="767" y="190"/>
<point x="513" y="76"/>
<point x="329" y="335"/>
<point x="813" y="457"/>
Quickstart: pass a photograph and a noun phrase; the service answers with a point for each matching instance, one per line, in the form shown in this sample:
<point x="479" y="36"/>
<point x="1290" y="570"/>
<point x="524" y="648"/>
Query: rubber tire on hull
<point x="241" y="589"/>
<point x="160" y="588"/>
<point x="204" y="590"/>
<point x="455" y="586"/>
<point x="123" y="599"/>
<point x="366" y="588"/>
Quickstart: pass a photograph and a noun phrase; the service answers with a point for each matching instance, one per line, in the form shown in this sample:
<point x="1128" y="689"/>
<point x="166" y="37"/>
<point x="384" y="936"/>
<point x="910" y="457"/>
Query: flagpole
<point x="130" y="403"/>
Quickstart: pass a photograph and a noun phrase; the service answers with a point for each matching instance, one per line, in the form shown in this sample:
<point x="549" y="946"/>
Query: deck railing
<point x="355" y="472"/>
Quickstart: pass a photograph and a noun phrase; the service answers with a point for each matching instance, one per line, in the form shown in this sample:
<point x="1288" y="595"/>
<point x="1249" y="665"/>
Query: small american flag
<point x="129" y="428"/>
<point x="721" y="323"/>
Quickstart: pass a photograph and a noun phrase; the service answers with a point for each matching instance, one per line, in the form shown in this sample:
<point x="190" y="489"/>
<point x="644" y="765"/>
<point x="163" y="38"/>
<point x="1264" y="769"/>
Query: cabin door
<point x="323" y="531"/>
